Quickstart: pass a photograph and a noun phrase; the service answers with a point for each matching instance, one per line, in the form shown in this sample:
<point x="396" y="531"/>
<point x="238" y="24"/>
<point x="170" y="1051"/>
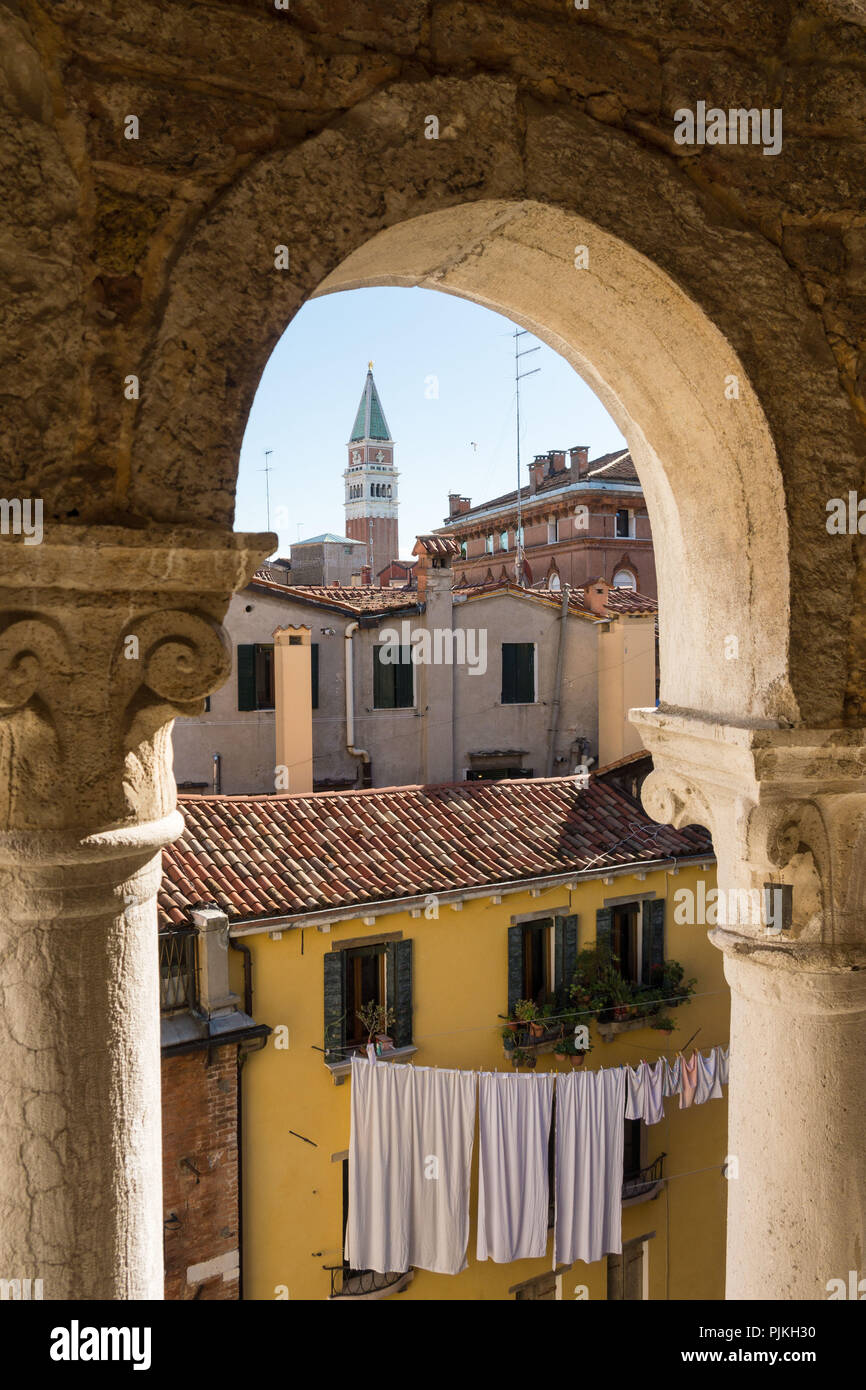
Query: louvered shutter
<point x="335" y="1007"/>
<point x="515" y="966"/>
<point x="603" y="925"/>
<point x="565" y="929"/>
<point x="398" y="990"/>
<point x="246" y="675"/>
<point x="653" y="945"/>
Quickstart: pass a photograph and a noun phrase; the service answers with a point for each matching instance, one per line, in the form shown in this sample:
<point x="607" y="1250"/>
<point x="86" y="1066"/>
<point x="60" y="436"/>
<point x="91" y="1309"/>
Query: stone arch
<point x="656" y="324"/>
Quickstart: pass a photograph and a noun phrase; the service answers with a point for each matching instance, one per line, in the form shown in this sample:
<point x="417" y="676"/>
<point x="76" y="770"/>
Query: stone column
<point x="105" y="635"/>
<point x="784" y="807"/>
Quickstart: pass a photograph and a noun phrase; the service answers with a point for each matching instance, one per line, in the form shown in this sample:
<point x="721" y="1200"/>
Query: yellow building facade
<point x="296" y="1115"/>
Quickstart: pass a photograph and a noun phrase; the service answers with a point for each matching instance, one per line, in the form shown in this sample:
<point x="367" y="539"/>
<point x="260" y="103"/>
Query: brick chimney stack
<point x="433" y="570"/>
<point x="596" y="597"/>
<point x="366" y="574"/>
<point x="579" y="457"/>
<point x="537" y="470"/>
<point x="457" y="505"/>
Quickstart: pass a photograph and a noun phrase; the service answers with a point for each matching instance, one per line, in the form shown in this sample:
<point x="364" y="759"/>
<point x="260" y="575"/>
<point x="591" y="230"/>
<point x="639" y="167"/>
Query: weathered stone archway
<point x="307" y="131"/>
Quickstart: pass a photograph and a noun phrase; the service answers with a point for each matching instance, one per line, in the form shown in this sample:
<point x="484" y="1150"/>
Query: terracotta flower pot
<point x="536" y="1030"/>
<point x="577" y="1059"/>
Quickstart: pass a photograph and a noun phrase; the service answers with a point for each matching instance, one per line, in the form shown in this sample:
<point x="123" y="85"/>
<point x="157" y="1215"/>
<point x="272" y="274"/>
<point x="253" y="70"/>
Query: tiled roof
<point x="326" y="538"/>
<point x="347" y="598"/>
<point x="272" y="856"/>
<point x="616" y="467"/>
<point x="435" y="545"/>
<point x="618" y="600"/>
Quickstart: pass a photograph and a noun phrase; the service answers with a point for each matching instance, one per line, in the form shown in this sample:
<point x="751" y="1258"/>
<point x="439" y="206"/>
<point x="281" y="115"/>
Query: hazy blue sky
<point x="306" y="402"/>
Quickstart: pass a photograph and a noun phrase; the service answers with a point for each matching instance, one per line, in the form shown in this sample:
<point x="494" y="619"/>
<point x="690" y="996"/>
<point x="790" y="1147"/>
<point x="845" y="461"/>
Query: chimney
<point x="557" y="460"/>
<point x="579" y="457"/>
<point x="293" y="715"/>
<point x="366" y="574"/>
<point x="596" y="597"/>
<point x="457" y="505"/>
<point x="537" y="470"/>
<point x="433" y="569"/>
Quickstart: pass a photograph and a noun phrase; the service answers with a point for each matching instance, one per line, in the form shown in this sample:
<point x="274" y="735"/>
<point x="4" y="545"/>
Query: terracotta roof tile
<point x="272" y="856"/>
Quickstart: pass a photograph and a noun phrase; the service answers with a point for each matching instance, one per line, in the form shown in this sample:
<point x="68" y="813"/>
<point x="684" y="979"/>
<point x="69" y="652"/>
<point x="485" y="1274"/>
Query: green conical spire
<point x="370" y="422"/>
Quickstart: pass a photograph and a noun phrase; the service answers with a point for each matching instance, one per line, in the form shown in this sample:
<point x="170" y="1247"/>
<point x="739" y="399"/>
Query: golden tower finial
<point x="370" y="365"/>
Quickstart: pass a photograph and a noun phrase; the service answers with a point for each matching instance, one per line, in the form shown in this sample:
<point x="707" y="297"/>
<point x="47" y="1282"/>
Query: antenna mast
<point x="518" y="377"/>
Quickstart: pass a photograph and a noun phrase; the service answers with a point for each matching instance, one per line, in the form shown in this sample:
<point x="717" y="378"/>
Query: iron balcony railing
<point x="359" y="1283"/>
<point x="644" y="1180"/>
<point x="177" y="982"/>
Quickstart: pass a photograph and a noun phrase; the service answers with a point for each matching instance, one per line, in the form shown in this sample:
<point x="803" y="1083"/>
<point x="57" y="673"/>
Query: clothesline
<point x="411" y="1145"/>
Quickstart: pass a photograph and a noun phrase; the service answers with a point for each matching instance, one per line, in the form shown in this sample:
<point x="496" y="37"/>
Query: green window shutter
<point x="525" y="673"/>
<point x="566" y="953"/>
<point x="404" y="689"/>
<point x="603" y="924"/>
<point x="335" y="1007"/>
<point x="246" y="675"/>
<point x="314" y="674"/>
<point x="383" y="680"/>
<point x="509" y="673"/>
<point x="653" y="934"/>
<point x="515" y="966"/>
<point x="399" y="990"/>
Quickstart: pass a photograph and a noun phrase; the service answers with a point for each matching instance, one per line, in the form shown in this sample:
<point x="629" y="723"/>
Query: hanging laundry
<point x="673" y="1076"/>
<point x="645" y="1087"/>
<point x="708" y="1083"/>
<point x="724" y="1064"/>
<point x="689" y="1075"/>
<point x="410" y="1153"/>
<point x="590" y="1126"/>
<point x="514" y="1112"/>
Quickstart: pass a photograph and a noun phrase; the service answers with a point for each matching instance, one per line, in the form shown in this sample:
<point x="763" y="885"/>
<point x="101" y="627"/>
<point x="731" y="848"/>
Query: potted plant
<point x="526" y="1011"/>
<point x="568" y="1050"/>
<point x="377" y="1019"/>
<point x="521" y="1058"/>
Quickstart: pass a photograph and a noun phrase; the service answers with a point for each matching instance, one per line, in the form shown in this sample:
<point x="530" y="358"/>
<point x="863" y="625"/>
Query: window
<point x="541" y="958"/>
<point x="627" y="1273"/>
<point x="255" y="675"/>
<point x="380" y="972"/>
<point x="488" y="545"/>
<point x="554" y="582"/>
<point x="634" y="932"/>
<point x="314" y="674"/>
<point x="622" y="523"/>
<point x="497" y="774"/>
<point x="545" y="1287"/>
<point x="393" y="681"/>
<point x="552" y="531"/>
<point x="632" y="1160"/>
<point x="503" y="540"/>
<point x="518" y="673"/>
<point x="464" y="550"/>
<point x="624" y="579"/>
<point x="177" y="967"/>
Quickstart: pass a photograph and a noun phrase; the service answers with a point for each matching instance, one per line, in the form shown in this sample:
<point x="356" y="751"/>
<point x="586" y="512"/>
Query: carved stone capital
<point x="784" y="806"/>
<point x="105" y="636"/>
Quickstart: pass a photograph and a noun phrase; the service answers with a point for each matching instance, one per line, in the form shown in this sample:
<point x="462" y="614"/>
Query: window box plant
<point x="521" y="1057"/>
<point x="377" y="1019"/>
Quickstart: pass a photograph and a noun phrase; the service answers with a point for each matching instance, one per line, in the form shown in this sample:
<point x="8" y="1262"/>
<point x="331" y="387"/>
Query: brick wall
<point x="199" y="1119"/>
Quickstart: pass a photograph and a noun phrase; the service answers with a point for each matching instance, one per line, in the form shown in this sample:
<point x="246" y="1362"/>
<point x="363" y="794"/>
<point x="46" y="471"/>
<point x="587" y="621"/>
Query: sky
<point x="444" y="369"/>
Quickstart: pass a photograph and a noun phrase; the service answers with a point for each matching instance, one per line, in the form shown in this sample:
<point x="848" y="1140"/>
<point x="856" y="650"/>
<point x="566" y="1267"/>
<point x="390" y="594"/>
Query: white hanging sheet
<point x="590" y="1123"/>
<point x="410" y="1155"/>
<point x="514" y="1112"/>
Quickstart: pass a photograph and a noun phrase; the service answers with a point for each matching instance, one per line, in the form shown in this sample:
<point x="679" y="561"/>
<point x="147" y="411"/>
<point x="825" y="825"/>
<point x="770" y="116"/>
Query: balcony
<point x="644" y="1184"/>
<point x="365" y="1284"/>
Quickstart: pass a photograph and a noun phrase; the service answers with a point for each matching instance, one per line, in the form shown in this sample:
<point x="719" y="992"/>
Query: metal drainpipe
<point x="244" y="1050"/>
<point x="366" y="768"/>
<point x="217" y="774"/>
<point x="557" y="687"/>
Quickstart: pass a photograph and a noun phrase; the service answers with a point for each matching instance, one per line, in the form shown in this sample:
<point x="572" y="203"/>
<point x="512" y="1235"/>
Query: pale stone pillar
<point x="784" y="806"/>
<point x="105" y="635"/>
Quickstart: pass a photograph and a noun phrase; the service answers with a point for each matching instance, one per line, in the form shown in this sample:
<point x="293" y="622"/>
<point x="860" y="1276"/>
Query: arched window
<point x="553" y="580"/>
<point x="624" y="579"/>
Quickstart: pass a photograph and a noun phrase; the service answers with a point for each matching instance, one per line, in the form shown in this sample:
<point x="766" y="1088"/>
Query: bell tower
<point x="371" y="500"/>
